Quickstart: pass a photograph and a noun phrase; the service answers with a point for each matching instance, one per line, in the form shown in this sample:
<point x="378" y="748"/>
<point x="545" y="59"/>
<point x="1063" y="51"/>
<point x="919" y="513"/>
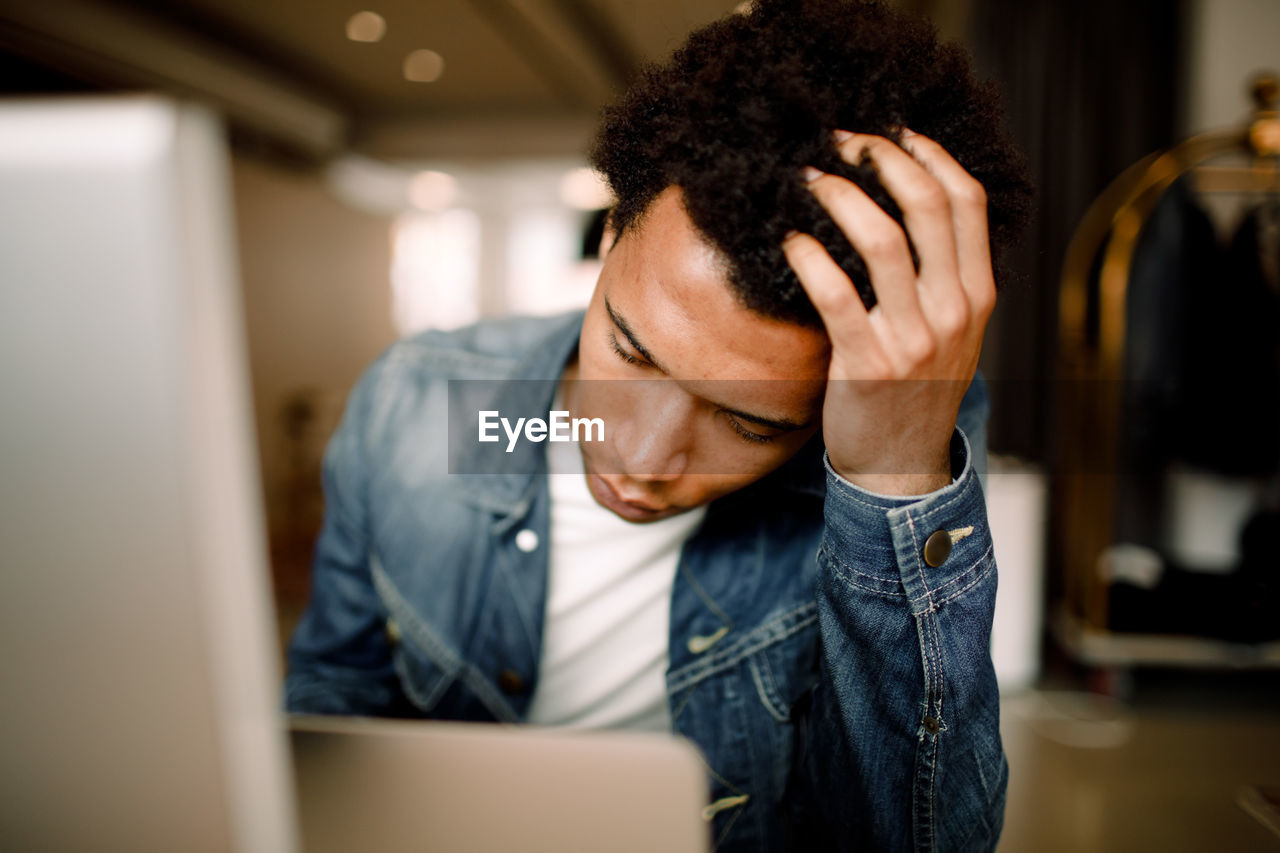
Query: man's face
<point x="727" y="395"/>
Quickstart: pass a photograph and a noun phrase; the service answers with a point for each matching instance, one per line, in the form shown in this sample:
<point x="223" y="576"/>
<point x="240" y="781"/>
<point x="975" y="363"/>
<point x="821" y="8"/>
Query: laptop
<point x="140" y="708"/>
<point x="477" y="787"/>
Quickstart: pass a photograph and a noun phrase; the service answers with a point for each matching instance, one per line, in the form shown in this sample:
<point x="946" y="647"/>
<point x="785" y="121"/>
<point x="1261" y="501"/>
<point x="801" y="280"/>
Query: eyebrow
<point x="631" y="336"/>
<point x="783" y="425"/>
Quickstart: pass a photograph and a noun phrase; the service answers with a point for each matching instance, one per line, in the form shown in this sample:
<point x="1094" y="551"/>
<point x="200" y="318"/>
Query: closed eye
<point x="623" y="354"/>
<point x="735" y="424"/>
<point x="746" y="434"/>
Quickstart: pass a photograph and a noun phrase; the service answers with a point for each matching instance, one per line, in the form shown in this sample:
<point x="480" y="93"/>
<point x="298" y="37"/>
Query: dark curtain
<point x="1090" y="87"/>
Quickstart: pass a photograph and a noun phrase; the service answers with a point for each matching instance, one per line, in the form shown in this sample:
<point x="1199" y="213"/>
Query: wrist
<point x="899" y="485"/>
<point x="919" y="474"/>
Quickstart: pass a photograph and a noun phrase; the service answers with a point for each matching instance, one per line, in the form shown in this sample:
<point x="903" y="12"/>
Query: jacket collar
<point x="530" y="386"/>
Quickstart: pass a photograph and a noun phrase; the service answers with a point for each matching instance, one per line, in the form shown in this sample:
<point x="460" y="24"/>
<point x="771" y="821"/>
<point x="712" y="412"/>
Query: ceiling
<point x="500" y="55"/>
<point x="517" y="74"/>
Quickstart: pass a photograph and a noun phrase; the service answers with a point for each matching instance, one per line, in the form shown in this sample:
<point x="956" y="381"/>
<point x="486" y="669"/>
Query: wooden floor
<point x="1158" y="772"/>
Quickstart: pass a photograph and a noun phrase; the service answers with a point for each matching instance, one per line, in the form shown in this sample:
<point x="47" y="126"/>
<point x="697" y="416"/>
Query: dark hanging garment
<point x="1177" y="249"/>
<point x="1230" y="400"/>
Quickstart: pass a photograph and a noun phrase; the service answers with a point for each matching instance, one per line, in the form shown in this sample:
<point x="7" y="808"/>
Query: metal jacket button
<point x="527" y="541"/>
<point x="937" y="548"/>
<point x="510" y="682"/>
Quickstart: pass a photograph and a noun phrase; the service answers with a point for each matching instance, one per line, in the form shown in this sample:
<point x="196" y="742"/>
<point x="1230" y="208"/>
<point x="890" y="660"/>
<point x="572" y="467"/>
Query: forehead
<point x="672" y="288"/>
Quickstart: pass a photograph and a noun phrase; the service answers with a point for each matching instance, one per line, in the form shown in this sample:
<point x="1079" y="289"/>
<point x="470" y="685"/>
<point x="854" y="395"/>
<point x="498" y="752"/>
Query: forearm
<point x="903" y="747"/>
<point x="340" y="658"/>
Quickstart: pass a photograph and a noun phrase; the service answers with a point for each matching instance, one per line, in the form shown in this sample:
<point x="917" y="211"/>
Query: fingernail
<point x="811" y="174"/>
<point x="841" y="135"/>
<point x="906" y="131"/>
<point x="793" y="232"/>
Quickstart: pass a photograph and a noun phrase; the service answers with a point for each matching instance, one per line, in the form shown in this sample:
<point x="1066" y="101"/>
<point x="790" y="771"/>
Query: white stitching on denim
<point x="675" y="715"/>
<point x="922" y="746"/>
<point x="717" y="776"/>
<point x="959" y="533"/>
<point x="728" y="826"/>
<point x="758" y="677"/>
<point x="700" y="643"/>
<point x="823" y="551"/>
<point x="750" y="636"/>
<point x="841" y="571"/>
<point x="732" y="787"/>
<point x="486" y="693"/>
<point x="933" y="777"/>
<point x="925" y="664"/>
<point x="979" y="577"/>
<point x="425" y="701"/>
<point x="928" y="512"/>
<point x="941" y="686"/>
<point x="838" y="571"/>
<point x="719" y="665"/>
<point x="767" y="672"/>
<point x="915" y="552"/>
<point x="712" y="809"/>
<point x="708" y="667"/>
<point x="703" y="595"/>
<point x="425" y="639"/>
<point x="981" y="566"/>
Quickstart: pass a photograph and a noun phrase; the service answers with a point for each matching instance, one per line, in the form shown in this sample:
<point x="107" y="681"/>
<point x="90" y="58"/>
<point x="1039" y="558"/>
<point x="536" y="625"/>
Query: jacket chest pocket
<point x="423" y="681"/>
<point x="783" y="671"/>
<point x="779" y="676"/>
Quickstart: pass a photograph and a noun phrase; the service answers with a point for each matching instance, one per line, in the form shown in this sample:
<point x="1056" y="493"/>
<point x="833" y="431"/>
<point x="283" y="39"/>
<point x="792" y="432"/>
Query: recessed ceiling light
<point x="423" y="66"/>
<point x="366" y="26"/>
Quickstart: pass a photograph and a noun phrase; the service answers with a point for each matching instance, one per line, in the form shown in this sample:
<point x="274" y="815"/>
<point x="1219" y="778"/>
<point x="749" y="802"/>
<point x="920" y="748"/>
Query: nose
<point x="654" y="446"/>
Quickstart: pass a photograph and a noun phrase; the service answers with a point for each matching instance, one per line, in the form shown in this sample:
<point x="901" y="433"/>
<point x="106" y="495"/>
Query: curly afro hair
<point x="750" y="100"/>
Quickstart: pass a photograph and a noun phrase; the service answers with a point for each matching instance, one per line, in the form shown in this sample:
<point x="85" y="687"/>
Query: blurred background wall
<point x="416" y="164"/>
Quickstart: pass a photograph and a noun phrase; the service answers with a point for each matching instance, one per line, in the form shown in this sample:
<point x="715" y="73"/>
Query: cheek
<point x="732" y="464"/>
<point x="723" y="463"/>
<point x="724" y="453"/>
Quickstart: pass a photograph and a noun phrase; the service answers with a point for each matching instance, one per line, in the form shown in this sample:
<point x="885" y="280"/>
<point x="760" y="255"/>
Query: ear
<point x="608" y="236"/>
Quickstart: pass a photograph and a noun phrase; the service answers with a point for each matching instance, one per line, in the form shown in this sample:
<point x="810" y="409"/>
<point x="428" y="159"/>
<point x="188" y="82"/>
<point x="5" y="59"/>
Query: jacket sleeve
<point x="339" y="658"/>
<point x="899" y="745"/>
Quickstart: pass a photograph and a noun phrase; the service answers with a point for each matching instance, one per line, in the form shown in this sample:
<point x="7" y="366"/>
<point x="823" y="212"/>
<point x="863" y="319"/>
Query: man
<point x="779" y="548"/>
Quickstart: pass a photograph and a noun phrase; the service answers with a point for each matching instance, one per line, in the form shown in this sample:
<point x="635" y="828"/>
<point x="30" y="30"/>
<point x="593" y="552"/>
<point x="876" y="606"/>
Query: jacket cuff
<point x="878" y="541"/>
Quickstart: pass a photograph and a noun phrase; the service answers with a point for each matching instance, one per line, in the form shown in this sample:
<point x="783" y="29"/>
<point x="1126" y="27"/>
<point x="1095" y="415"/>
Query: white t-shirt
<point x="604" y="643"/>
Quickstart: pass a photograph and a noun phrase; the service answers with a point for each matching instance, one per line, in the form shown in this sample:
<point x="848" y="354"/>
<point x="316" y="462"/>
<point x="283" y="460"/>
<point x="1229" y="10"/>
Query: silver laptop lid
<point x="481" y="788"/>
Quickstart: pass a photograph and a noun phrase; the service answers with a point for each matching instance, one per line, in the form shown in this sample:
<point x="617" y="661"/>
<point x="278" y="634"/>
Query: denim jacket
<point x="839" y="687"/>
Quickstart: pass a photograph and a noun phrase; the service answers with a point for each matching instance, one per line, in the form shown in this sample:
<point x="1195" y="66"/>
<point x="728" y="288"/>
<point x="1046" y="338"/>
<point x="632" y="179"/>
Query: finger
<point x="832" y="294"/>
<point x="969" y="215"/>
<point x="883" y="246"/>
<point x="925" y="204"/>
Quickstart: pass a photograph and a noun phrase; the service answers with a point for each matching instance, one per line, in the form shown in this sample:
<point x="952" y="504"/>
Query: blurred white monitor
<point x="139" y="683"/>
<point x="140" y="697"/>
